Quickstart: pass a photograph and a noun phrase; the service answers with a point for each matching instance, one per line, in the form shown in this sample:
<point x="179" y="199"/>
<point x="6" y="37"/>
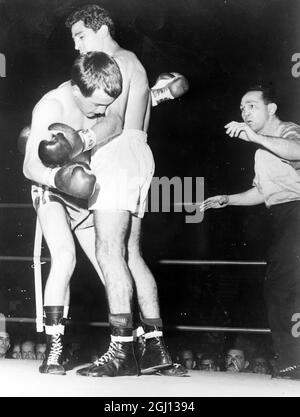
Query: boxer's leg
<point x="60" y="242"/>
<point x="111" y="233"/>
<point x="145" y="283"/>
<point x="57" y="233"/>
<point x="155" y="355"/>
<point x="87" y="240"/>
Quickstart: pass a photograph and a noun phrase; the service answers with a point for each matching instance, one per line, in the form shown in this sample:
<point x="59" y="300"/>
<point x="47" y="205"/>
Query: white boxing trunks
<point x="124" y="169"/>
<point x="77" y="211"/>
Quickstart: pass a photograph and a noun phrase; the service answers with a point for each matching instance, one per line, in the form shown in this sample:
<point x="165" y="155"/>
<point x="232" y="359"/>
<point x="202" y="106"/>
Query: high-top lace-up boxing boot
<point x="119" y="360"/>
<point x="52" y="364"/>
<point x="155" y="355"/>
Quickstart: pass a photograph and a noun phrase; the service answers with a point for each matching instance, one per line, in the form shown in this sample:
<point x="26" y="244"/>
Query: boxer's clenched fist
<point x="74" y="179"/>
<point x="65" y="145"/>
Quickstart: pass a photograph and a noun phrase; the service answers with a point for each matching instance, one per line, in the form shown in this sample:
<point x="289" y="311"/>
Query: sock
<point x="121" y="327"/>
<point x="152" y="322"/>
<point x="53" y="317"/>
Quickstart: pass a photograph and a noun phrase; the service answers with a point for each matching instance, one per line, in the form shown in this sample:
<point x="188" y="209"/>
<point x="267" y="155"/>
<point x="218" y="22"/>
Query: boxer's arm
<point x="68" y="144"/>
<point x="108" y="127"/>
<point x="137" y="116"/>
<point x="137" y="109"/>
<point x="45" y="112"/>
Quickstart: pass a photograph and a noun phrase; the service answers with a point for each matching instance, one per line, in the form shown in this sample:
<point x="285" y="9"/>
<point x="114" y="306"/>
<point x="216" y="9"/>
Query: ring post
<point x="38" y="277"/>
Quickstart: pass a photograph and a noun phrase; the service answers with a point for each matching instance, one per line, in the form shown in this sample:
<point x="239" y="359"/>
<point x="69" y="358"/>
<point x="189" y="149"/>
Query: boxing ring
<point x="21" y="378"/>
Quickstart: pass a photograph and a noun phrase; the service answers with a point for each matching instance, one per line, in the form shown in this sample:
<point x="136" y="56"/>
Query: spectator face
<point x="260" y="366"/>
<point x="27" y="350"/>
<point x="16" y="352"/>
<point x="4" y="344"/>
<point x="40" y="351"/>
<point x="187" y="359"/>
<point x="207" y="365"/>
<point x="198" y="356"/>
<point x="235" y="361"/>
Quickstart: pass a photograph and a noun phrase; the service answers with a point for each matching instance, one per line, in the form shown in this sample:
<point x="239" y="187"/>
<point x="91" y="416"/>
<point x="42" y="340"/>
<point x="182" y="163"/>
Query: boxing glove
<point x="168" y="86"/>
<point x="65" y="145"/>
<point x="74" y="179"/>
<point x="22" y="139"/>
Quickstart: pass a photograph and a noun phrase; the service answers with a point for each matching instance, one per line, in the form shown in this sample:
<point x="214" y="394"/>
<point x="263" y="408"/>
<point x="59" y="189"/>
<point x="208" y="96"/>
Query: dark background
<point x="222" y="47"/>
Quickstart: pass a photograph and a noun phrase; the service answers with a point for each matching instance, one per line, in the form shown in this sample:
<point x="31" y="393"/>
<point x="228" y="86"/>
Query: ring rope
<point x="208" y="262"/>
<point x="38" y="260"/>
<point x="169" y="327"/>
<point x="23" y="258"/>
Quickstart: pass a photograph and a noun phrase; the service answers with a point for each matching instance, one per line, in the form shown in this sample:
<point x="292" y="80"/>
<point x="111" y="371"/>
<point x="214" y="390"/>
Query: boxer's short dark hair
<point x="97" y="70"/>
<point x="93" y="17"/>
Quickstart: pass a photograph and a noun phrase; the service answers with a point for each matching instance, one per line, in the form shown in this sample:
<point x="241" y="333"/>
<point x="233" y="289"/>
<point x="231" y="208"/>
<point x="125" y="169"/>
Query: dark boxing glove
<point x="65" y="145"/>
<point x="74" y="179"/>
<point x="168" y="86"/>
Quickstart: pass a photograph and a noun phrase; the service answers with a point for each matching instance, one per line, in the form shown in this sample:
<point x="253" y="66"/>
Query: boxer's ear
<point x="272" y="108"/>
<point x="104" y="31"/>
<point x="76" y="90"/>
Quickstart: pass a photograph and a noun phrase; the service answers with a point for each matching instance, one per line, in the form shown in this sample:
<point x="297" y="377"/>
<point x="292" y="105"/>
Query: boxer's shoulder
<point x="55" y="100"/>
<point x="128" y="59"/>
<point x="48" y="103"/>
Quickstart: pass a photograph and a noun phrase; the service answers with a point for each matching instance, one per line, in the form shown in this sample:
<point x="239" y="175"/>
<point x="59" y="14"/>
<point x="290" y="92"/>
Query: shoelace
<point x="109" y="355"/>
<point x="289" y="368"/>
<point x="55" y="351"/>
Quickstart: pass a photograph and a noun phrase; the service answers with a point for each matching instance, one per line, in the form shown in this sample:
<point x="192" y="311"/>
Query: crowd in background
<point x="205" y="351"/>
<point x="225" y="352"/>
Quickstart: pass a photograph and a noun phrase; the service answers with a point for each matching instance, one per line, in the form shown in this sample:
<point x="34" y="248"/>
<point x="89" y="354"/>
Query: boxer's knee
<point x="63" y="258"/>
<point x="109" y="250"/>
<point x="134" y="257"/>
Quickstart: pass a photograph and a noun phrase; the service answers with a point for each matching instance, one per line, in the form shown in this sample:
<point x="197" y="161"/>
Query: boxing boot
<point x="290" y="372"/>
<point x="139" y="342"/>
<point x="52" y="364"/>
<point x="155" y="355"/>
<point x="120" y="359"/>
